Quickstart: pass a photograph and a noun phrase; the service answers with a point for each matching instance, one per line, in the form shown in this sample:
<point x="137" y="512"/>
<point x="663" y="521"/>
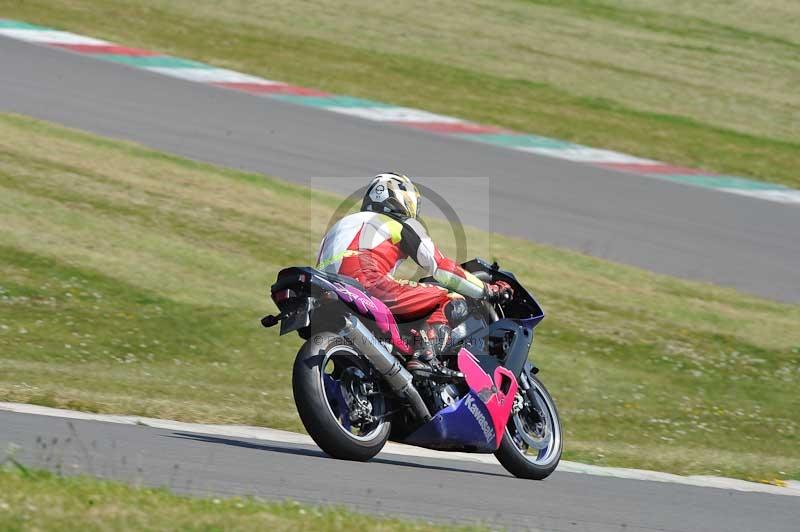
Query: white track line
<point x="282" y="436"/>
<point x="782" y="196"/>
<point x="395" y="114"/>
<point x="49" y="36"/>
<point x="210" y="75"/>
<point x="584" y="154"/>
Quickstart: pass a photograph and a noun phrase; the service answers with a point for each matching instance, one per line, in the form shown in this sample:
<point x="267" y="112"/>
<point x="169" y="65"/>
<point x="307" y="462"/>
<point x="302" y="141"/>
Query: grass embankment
<point x="711" y="84"/>
<point x="132" y="282"/>
<point x="34" y="500"/>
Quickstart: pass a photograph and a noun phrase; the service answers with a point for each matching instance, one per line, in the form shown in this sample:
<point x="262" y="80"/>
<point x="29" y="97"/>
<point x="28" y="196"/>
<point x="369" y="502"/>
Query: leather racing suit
<point x="369" y="246"/>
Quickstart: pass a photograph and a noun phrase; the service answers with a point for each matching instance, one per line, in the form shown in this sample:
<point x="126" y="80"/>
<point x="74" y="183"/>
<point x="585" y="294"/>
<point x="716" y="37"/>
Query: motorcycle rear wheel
<point x="531" y="447"/>
<point x="324" y="366"/>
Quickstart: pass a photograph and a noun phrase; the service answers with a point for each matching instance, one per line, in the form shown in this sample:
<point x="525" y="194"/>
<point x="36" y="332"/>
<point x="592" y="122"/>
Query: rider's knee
<point x="456" y="311"/>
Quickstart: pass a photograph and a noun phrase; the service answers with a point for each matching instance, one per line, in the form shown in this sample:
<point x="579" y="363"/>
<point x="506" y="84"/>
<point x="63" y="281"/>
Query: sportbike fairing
<point x="375" y="309"/>
<point x="476" y="421"/>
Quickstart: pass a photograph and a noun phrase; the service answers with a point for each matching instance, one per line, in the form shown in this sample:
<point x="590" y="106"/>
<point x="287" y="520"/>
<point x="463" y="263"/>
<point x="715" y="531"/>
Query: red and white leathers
<point x="369" y="246"/>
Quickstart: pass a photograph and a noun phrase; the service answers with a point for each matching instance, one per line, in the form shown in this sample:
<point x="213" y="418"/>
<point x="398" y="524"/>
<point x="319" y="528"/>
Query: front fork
<point x="525" y="386"/>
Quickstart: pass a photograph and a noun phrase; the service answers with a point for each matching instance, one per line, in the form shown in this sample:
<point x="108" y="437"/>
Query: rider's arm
<point x="415" y="242"/>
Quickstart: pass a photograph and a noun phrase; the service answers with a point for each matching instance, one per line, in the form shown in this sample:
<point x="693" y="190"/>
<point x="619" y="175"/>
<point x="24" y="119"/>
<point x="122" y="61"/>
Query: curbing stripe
<point x="653" y="168"/>
<point x="208" y="74"/>
<point x="791" y="488"/>
<point x="519" y="141"/>
<point x="264" y="87"/>
<point x="153" y="61"/>
<point x="104" y="49"/>
<point x="588" y="155"/>
<point x="331" y="101"/>
<point x="382" y="112"/>
<point x="781" y="196"/>
<point x="722" y="182"/>
<point x="5" y="23"/>
<point x="395" y="114"/>
<point x="46" y="36"/>
<point x="445" y="127"/>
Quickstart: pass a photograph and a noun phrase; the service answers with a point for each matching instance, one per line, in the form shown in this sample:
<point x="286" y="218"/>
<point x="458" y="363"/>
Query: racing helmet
<point x="392" y="194"/>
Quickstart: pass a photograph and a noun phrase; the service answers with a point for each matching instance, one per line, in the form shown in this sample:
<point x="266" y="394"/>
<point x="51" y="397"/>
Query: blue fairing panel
<point x="464" y="426"/>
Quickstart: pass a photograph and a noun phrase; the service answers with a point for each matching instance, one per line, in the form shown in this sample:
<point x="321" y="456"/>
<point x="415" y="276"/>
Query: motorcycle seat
<point x="336" y="278"/>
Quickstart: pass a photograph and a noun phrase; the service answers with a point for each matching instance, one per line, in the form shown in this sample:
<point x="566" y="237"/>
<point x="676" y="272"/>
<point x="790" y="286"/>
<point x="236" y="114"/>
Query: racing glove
<point x="497" y="292"/>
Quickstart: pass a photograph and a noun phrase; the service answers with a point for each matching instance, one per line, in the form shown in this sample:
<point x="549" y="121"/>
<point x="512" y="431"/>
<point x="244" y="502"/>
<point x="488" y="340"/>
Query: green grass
<point x="711" y="84"/>
<point x="35" y="500"/>
<point x="133" y="281"/>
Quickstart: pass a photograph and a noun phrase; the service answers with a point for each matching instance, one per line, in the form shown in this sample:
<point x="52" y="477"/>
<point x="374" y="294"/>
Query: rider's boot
<point x="430" y="342"/>
<point x="443" y="343"/>
<point x="442" y="335"/>
<point x="422" y="360"/>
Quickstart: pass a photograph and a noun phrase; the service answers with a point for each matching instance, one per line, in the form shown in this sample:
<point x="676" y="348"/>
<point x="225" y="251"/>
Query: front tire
<point x="532" y="442"/>
<point x="321" y="369"/>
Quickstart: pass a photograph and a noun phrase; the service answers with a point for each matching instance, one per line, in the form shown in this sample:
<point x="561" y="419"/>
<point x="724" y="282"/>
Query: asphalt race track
<point x="423" y="488"/>
<point x="666" y="227"/>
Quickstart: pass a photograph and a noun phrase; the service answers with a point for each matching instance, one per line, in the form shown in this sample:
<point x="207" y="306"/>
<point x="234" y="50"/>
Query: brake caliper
<point x="519" y="404"/>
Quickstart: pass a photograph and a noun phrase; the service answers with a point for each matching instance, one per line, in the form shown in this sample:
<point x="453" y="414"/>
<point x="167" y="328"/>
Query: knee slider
<point x="456" y="311"/>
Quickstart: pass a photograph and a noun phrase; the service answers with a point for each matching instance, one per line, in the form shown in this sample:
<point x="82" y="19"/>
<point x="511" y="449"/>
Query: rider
<point x="369" y="245"/>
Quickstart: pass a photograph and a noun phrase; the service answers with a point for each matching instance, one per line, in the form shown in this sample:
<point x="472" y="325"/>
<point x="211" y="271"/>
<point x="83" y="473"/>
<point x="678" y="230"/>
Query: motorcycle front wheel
<point x="532" y="443"/>
<point x="327" y="383"/>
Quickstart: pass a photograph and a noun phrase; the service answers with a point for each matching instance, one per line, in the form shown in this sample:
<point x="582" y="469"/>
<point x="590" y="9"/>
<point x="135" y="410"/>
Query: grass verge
<point x="36" y="500"/>
<point x="720" y="95"/>
<point x="132" y="282"/>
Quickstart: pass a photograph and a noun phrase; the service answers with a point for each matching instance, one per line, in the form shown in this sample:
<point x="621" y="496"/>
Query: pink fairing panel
<point x="376" y="309"/>
<point x="387" y="324"/>
<point x="497" y="391"/>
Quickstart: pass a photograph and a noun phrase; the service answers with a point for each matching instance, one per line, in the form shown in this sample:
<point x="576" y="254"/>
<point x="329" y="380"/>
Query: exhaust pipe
<point x="396" y="376"/>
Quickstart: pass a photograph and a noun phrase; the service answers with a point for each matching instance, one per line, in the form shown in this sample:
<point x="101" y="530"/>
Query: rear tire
<point x="315" y="407"/>
<point x="514" y="457"/>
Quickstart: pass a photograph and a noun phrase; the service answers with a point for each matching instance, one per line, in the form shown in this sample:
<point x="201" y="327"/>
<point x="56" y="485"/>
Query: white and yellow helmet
<point x="392" y="193"/>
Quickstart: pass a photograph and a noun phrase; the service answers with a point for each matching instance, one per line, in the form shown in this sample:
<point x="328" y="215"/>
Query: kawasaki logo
<point x="488" y="431"/>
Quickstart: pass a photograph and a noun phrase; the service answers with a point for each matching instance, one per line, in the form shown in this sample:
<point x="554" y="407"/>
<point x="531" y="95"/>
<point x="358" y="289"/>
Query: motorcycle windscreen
<point x="477" y="421"/>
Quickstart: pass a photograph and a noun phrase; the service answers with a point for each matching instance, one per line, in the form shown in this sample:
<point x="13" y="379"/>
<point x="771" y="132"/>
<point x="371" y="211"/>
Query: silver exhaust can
<point x="396" y="376"/>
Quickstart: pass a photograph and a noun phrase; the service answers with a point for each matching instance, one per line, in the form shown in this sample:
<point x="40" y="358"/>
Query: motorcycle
<point x="353" y="394"/>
